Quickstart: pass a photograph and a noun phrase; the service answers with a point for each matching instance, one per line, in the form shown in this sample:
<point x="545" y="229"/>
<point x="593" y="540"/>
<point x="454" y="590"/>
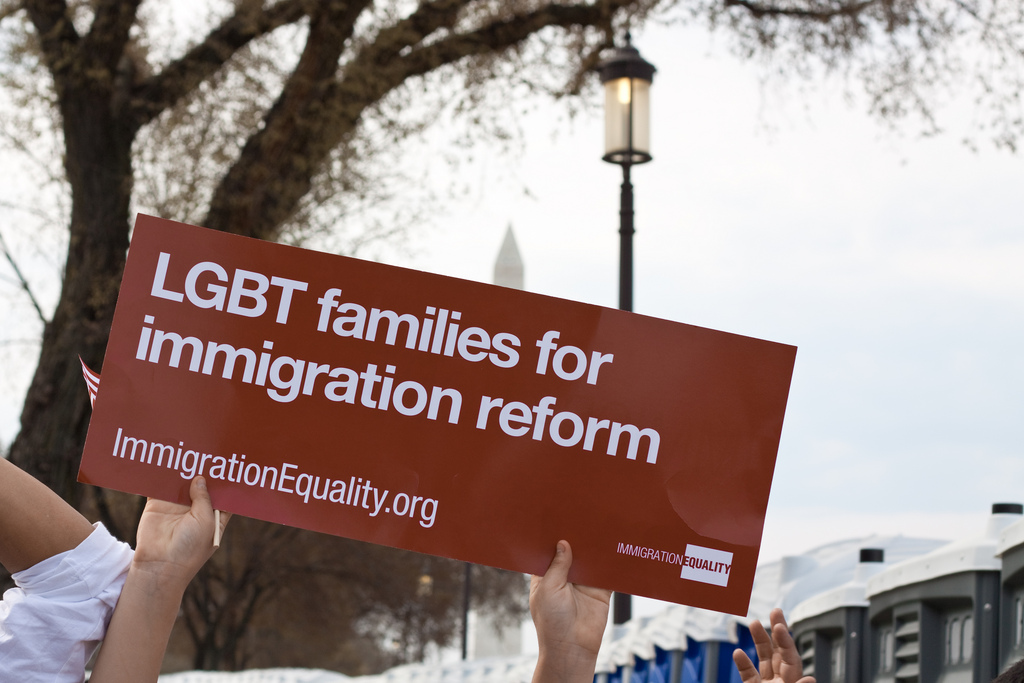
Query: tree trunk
<point x="55" y="417"/>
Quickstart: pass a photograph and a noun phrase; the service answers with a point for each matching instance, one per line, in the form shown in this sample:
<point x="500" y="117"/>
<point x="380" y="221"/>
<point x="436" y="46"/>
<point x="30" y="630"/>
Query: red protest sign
<point x="439" y="415"/>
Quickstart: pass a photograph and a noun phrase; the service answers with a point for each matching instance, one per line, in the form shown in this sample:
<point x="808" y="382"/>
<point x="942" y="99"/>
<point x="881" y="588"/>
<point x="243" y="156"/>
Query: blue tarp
<point x="726" y="669"/>
<point x="695" y="659"/>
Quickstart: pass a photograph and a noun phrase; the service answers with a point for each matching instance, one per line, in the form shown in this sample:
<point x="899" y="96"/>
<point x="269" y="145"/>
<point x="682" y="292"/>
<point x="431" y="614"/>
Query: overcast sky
<point x="895" y="264"/>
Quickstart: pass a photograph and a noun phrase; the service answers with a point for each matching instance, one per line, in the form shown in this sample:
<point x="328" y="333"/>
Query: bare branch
<point x="249" y="22"/>
<point x="57" y="36"/>
<point x="760" y="10"/>
<point x="21" y="279"/>
<point x="293" y="131"/>
<point x="503" y="34"/>
<point x="246" y="203"/>
<point x="109" y="32"/>
<point x="43" y="165"/>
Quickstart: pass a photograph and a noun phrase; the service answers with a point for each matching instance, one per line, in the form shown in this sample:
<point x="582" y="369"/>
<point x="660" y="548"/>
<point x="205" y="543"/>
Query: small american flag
<point x="92" y="381"/>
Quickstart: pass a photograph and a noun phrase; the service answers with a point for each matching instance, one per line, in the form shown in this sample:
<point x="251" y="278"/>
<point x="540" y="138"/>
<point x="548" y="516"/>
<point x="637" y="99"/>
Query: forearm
<point x="565" y="664"/>
<point x="136" y="640"/>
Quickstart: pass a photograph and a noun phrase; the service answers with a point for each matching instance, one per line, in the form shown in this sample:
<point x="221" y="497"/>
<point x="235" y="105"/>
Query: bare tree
<point x="280" y="116"/>
<point x="278" y="596"/>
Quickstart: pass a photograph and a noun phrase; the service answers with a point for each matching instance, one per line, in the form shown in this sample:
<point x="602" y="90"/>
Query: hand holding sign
<point x="570" y="621"/>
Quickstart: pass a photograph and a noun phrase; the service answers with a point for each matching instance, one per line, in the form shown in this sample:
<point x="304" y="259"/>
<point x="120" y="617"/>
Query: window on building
<point x="953" y="640"/>
<point x="967" y="646"/>
<point x="1019" y="621"/>
<point x="959" y="639"/>
<point x="838" y="666"/>
<point x="806" y="649"/>
<point x="885" y="645"/>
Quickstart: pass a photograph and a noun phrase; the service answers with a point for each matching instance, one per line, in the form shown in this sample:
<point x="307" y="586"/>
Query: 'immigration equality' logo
<point x="707" y="565"/>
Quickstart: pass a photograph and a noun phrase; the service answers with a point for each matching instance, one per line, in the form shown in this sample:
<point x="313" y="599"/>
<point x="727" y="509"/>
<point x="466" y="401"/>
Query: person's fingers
<point x="777" y="617"/>
<point x="200" y="496"/>
<point x="202" y="510"/>
<point x="763" y="645"/>
<point x="558" y="570"/>
<point x="785" y="646"/>
<point x="601" y="594"/>
<point x="745" y="667"/>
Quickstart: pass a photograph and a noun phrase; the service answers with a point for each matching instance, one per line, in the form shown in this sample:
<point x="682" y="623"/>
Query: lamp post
<point x="627" y="78"/>
<point x="627" y="81"/>
<point x="467" y="593"/>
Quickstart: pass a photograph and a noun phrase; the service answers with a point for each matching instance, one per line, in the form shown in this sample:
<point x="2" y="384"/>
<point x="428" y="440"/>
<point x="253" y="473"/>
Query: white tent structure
<point x="678" y="645"/>
<point x="260" y="676"/>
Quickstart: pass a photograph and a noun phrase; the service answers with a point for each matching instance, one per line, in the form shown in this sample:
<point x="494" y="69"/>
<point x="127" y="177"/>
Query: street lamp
<point x="627" y="81"/>
<point x="467" y="593"/>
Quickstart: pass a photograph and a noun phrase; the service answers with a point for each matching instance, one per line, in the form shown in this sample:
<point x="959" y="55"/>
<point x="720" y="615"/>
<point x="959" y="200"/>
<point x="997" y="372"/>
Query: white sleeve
<point x="52" y="622"/>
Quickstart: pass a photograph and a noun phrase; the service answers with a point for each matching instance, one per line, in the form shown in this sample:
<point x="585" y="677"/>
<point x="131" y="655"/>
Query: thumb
<point x="202" y="507"/>
<point x="558" y="570"/>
